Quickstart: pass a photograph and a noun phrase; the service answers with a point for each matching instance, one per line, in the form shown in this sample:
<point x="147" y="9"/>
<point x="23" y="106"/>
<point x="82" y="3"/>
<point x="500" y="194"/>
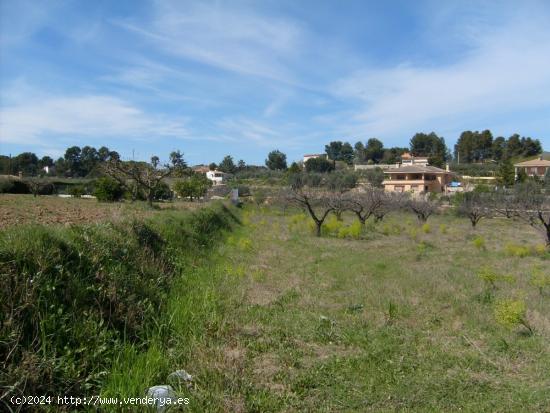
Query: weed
<point x="426" y="228"/>
<point x="511" y="313"/>
<point x="479" y="242"/>
<point x="491" y="277"/>
<point x="540" y="279"/>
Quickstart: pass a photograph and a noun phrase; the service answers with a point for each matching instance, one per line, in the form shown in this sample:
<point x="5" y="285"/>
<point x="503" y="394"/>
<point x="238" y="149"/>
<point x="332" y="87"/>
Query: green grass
<point x="398" y="318"/>
<point x="387" y="323"/>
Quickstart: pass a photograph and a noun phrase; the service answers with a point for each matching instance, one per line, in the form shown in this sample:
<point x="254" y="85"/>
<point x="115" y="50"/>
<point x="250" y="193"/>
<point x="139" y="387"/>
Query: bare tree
<point x="316" y="201"/>
<point x="144" y="176"/>
<point x="475" y="206"/>
<point x="366" y="203"/>
<point x="533" y="207"/>
<point x="504" y="204"/>
<point x="392" y="201"/>
<point x="422" y="206"/>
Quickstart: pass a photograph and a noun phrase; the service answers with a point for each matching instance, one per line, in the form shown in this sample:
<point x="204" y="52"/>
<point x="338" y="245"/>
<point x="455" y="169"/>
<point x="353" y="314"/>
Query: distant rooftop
<point x="417" y="169"/>
<point x="534" y="162"/>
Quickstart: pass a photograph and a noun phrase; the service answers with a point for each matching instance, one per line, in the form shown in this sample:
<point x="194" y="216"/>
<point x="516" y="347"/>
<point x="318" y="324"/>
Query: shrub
<point x="332" y="225"/>
<point x="76" y="190"/>
<point x="479" y="242"/>
<point x="540" y="280"/>
<point x="426" y="228"/>
<point x="13" y="186"/>
<point x="244" y="244"/>
<point x="108" y="190"/>
<point x="511" y="313"/>
<point x="443" y="228"/>
<point x="413" y="233"/>
<point x="354" y="231"/>
<point x="491" y="277"/>
<point x="162" y="192"/>
<point x="297" y="221"/>
<point x="516" y="250"/>
<point x="260" y="196"/>
<point x="243" y="190"/>
<point x="391" y="229"/>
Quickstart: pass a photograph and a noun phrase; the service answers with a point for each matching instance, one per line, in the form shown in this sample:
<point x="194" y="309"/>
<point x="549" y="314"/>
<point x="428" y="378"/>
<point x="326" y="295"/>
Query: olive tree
<point x="144" y="176"/>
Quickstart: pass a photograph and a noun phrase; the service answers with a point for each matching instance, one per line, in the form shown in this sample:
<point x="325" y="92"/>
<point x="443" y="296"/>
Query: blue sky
<point x="246" y="77"/>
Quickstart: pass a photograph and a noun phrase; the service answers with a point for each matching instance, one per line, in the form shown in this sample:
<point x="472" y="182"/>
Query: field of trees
<point x="408" y="317"/>
<point x="315" y="297"/>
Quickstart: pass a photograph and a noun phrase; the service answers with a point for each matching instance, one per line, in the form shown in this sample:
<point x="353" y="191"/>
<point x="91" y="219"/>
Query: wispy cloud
<point x="224" y="37"/>
<point x="506" y="70"/>
<point x="36" y="121"/>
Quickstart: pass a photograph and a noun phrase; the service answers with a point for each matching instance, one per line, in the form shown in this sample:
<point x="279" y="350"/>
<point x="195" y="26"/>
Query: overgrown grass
<point x="300" y="323"/>
<point x="400" y="319"/>
<point x="75" y="299"/>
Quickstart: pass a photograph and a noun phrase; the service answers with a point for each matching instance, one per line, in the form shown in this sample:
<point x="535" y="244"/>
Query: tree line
<point x="471" y="147"/>
<point x="480" y="146"/>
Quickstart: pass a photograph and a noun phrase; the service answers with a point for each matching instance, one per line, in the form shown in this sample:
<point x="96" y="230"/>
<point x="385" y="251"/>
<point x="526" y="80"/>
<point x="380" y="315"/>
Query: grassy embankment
<point x="398" y="321"/>
<point x="278" y="320"/>
<point x="74" y="298"/>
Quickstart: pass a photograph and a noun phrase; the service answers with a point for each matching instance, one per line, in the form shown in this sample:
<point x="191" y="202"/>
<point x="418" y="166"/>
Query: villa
<point x="313" y="156"/>
<point x="534" y="167"/>
<point x="417" y="179"/>
<point x="217" y="177"/>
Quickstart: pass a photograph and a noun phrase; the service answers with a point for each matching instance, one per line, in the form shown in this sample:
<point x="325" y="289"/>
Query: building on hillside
<point x="312" y="156"/>
<point x="200" y="169"/>
<point x="534" y="167"/>
<point x="417" y="179"/>
<point x="217" y="177"/>
<point x="408" y="159"/>
<point x="383" y="166"/>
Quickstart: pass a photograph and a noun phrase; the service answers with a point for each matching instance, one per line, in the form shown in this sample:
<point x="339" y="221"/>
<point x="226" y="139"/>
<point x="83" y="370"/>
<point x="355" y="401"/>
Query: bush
<point x="332" y="225"/>
<point x="517" y="250"/>
<point x="354" y="231"/>
<point x="108" y="190"/>
<point x="540" y="280"/>
<point x="491" y="277"/>
<point x="13" y="186"/>
<point x="511" y="313"/>
<point x="426" y="229"/>
<point x="76" y="191"/>
<point x="162" y="192"/>
<point x="479" y="242"/>
<point x="243" y="190"/>
<point x="521" y="251"/>
<point x="260" y="196"/>
<point x="194" y="187"/>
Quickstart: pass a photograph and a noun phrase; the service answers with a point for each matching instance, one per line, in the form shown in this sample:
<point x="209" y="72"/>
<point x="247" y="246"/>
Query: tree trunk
<point x="318" y="228"/>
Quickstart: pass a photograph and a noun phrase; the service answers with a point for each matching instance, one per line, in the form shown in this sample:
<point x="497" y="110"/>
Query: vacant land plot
<point x="401" y="321"/>
<point x="25" y="209"/>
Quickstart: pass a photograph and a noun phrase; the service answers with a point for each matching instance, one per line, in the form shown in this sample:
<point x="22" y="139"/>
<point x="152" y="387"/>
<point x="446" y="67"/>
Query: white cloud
<point x="505" y="71"/>
<point x="227" y="38"/>
<point x="37" y="120"/>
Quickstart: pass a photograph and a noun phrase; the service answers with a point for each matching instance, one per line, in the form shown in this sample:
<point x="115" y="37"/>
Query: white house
<point x="312" y="156"/>
<point x="217" y="177"/>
